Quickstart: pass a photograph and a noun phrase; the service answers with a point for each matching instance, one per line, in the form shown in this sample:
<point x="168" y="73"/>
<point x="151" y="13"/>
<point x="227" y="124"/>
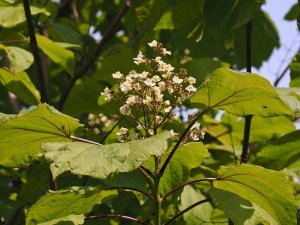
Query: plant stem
<point x="156" y="198"/>
<point x="84" y="65"/>
<point x="35" y="52"/>
<point x="84" y="140"/>
<point x="245" y="152"/>
<point x="115" y="217"/>
<point x="187" y="209"/>
<point x="186" y="183"/>
<point x="181" y="138"/>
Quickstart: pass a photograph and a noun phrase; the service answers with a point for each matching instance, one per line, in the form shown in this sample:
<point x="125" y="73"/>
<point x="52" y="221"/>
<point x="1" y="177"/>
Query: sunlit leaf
<point x="22" y="135"/>
<point x="254" y="188"/>
<point x="102" y="161"/>
<point x="66" y="220"/>
<point x="241" y="94"/>
<point x="63" y="57"/>
<point x="67" y="202"/>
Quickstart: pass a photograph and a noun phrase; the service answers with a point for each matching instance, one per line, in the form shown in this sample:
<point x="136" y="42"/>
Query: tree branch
<point x="245" y="152"/>
<point x="186" y="183"/>
<point x="35" y="51"/>
<point x="113" y="216"/>
<point x="187" y="209"/>
<point x="181" y="138"/>
<point x="278" y="79"/>
<point x="83" y="66"/>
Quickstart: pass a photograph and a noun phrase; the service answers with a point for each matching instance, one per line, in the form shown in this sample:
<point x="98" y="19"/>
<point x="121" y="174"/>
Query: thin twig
<point x="131" y="189"/>
<point x="110" y="131"/>
<point x="148" y="181"/>
<point x="122" y="217"/>
<point x="84" y="140"/>
<point x="149" y="172"/>
<point x="245" y="152"/>
<point x="35" y="51"/>
<point x="181" y="138"/>
<point x="187" y="209"/>
<point x="186" y="183"/>
<point x="85" y="65"/>
<point x="278" y="79"/>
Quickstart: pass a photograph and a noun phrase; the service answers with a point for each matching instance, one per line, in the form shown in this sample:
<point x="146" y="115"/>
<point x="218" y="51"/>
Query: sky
<point x="289" y="39"/>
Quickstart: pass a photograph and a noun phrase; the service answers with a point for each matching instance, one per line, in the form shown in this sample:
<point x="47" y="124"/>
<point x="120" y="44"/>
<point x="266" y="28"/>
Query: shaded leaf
<point x="291" y="97"/>
<point x="67" y="202"/>
<point x="21" y="85"/>
<point x="293" y="13"/>
<point x="295" y="71"/>
<point x="22" y="135"/>
<point x="198" y="215"/>
<point x="186" y="157"/>
<point x="101" y="161"/>
<point x="281" y="153"/>
<point x="13" y="15"/>
<point x="63" y="57"/>
<point x="267" y="189"/>
<point x="241" y="94"/>
<point x="67" y="220"/>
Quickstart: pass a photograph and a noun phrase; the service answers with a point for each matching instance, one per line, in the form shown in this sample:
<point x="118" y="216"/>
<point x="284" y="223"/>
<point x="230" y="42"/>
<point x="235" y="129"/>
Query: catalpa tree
<point x="136" y="112"/>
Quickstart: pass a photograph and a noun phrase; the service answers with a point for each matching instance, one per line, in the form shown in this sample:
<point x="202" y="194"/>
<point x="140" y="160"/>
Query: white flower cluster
<point x="196" y="133"/>
<point x="153" y="94"/>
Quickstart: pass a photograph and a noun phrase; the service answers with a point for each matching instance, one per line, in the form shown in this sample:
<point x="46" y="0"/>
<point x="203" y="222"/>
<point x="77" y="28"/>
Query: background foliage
<point x="52" y="121"/>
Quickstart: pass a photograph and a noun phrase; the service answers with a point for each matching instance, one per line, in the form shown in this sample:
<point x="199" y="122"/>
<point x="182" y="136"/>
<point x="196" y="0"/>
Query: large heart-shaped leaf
<point x="101" y="161"/>
<point x="241" y="94"/>
<point x="63" y="203"/>
<point x="253" y="188"/>
<point x="22" y="135"/>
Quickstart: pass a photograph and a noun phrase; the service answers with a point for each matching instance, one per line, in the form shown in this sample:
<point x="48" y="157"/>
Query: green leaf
<point x="19" y="59"/>
<point x="67" y="202"/>
<point x="259" y="187"/>
<point x="295" y="71"/>
<point x="292" y="13"/>
<point x="21" y="85"/>
<point x="22" y="135"/>
<point x="186" y="157"/>
<point x="63" y="57"/>
<point x="11" y="16"/>
<point x="281" y="153"/>
<point x="241" y="94"/>
<point x="101" y="161"/>
<point x="67" y="220"/>
<point x="239" y="210"/>
<point x="61" y="32"/>
<point x="198" y="215"/>
<point x="291" y="97"/>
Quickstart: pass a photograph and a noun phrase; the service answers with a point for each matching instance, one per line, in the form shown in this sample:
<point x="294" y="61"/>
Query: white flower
<point x="195" y="126"/>
<point x="202" y="133"/>
<point x="125" y="110"/>
<point x="139" y="59"/>
<point x="177" y="80"/>
<point x="168" y="109"/>
<point x="190" y="88"/>
<point x="126" y="86"/>
<point x="156" y="78"/>
<point x="170" y="90"/>
<point x="149" y="82"/>
<point x="117" y="75"/>
<point x="151" y="132"/>
<point x="164" y="67"/>
<point x="133" y="99"/>
<point x="172" y="133"/>
<point x="165" y="51"/>
<point x="153" y="44"/>
<point x="122" y="131"/>
<point x="167" y="103"/>
<point x="162" y="85"/>
<point x="143" y="75"/>
<point x="166" y="75"/>
<point x="191" y="80"/>
<point x="107" y="94"/>
<point x="195" y="136"/>
<point x="158" y="119"/>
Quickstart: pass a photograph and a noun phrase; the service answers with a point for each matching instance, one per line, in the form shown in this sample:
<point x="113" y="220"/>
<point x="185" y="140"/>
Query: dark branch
<point x="187" y="209"/>
<point x="35" y="51"/>
<point x="278" y="79"/>
<point x="186" y="183"/>
<point x="83" y="67"/>
<point x="181" y="138"/>
<point x="245" y="152"/>
<point x="122" y="217"/>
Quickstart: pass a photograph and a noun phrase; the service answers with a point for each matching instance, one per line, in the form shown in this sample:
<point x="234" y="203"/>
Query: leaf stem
<point x="181" y="138"/>
<point x="35" y="52"/>
<point x="186" y="183"/>
<point x="85" y="140"/>
<point x="187" y="209"/>
<point x="123" y="217"/>
<point x="245" y="152"/>
<point x="84" y="65"/>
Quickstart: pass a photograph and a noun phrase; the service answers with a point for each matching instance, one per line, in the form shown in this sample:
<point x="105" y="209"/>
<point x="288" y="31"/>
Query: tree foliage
<point x="94" y="97"/>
